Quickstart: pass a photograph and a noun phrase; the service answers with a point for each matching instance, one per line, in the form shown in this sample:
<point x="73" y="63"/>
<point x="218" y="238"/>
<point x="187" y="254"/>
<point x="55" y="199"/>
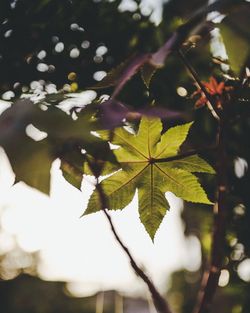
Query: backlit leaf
<point x="142" y="167"/>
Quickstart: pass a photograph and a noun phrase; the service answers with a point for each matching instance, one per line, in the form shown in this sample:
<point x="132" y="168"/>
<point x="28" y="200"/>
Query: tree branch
<point x="210" y="279"/>
<point x="160" y="303"/>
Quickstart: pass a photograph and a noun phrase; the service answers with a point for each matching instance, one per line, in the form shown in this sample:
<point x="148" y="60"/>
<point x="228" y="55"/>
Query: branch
<point x="159" y="302"/>
<point x="210" y="279"/>
<point x="210" y="101"/>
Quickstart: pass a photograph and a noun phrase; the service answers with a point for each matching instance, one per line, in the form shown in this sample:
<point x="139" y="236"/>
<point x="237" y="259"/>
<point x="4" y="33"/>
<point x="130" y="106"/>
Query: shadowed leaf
<point x="237" y="26"/>
<point x="113" y="113"/>
<point x="31" y="159"/>
<point x="122" y="73"/>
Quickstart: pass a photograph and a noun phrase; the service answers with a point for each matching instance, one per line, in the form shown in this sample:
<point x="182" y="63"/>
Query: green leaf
<point x="140" y="157"/>
<point x="237" y="26"/>
<point x="71" y="174"/>
<point x="61" y="126"/>
<point x="182" y="183"/>
<point x="71" y="167"/>
<point x="119" y="189"/>
<point x="193" y="164"/>
<point x="31" y="162"/>
<point x="172" y="140"/>
<point x="153" y="204"/>
<point x="237" y="60"/>
<point x="103" y="167"/>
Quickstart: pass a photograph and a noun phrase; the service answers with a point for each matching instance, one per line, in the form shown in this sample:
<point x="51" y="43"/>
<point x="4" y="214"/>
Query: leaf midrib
<point x="152" y="188"/>
<point x="189" y="163"/>
<point x="149" y="153"/>
<point x="170" y="177"/>
<point x="129" y="162"/>
<point x="133" y="147"/>
<point x="135" y="176"/>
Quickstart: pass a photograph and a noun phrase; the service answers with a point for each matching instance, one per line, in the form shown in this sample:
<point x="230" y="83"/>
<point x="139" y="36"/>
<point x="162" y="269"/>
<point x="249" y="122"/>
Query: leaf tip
<point x="147" y="72"/>
<point x="189" y="124"/>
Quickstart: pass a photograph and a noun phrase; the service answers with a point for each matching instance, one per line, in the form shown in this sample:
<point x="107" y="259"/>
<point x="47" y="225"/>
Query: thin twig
<point x="210" y="101"/>
<point x="159" y="302"/>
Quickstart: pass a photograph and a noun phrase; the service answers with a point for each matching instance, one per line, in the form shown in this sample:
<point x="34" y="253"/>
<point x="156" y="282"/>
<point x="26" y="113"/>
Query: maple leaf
<point x="140" y="156"/>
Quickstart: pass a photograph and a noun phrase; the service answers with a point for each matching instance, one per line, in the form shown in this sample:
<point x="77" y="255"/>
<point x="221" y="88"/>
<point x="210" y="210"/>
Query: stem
<point x="160" y="303"/>
<point x="210" y="101"/>
<point x="211" y="278"/>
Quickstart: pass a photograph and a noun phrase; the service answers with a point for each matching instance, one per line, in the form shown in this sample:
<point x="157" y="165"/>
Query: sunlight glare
<point x="83" y="249"/>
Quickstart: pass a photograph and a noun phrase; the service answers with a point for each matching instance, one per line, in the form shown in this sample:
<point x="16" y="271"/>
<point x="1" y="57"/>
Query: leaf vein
<point x="133" y="147"/>
<point x="135" y="176"/>
<point x="169" y="176"/>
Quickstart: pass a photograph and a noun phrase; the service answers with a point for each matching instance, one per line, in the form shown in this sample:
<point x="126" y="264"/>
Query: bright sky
<point x="83" y="249"/>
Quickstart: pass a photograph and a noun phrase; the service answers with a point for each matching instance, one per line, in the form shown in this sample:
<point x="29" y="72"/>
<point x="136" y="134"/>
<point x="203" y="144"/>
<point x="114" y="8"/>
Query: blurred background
<point x="51" y="260"/>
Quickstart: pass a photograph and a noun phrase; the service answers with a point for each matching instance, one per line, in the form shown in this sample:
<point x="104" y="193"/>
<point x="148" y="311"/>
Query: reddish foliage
<point x="215" y="89"/>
